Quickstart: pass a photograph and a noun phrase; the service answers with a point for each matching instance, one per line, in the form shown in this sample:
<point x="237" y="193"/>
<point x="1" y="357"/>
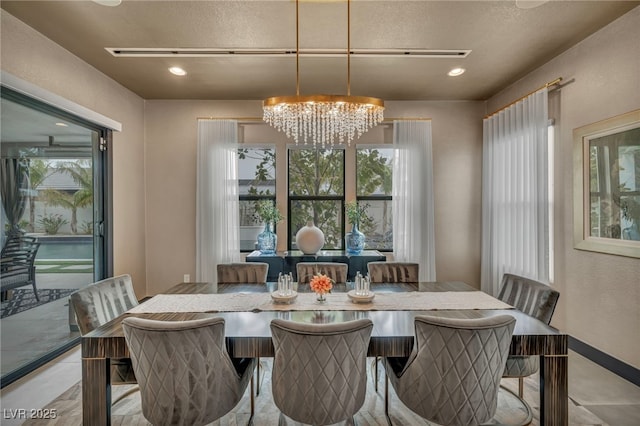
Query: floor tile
<point x="617" y="415"/>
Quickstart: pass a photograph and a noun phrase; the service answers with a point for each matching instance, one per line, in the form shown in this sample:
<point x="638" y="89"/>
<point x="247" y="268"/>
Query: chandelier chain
<point x="323" y="119"/>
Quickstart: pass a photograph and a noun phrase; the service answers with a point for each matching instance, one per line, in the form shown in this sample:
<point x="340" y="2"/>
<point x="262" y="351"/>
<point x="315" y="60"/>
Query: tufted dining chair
<point x="245" y="273"/>
<point x="534" y="299"/>
<point x="99" y="303"/>
<point x="319" y="370"/>
<point x="336" y="271"/>
<point x="393" y="272"/>
<point x="185" y="373"/>
<point x="452" y="376"/>
<point x="242" y="273"/>
<point x="390" y="273"/>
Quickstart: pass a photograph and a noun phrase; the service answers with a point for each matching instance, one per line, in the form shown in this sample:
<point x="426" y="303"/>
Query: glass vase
<point x="321" y="298"/>
<point x="267" y="240"/>
<point x="354" y="240"/>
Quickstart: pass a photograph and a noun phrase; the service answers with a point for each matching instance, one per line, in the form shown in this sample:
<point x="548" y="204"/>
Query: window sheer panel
<point x="412" y="204"/>
<point x="515" y="200"/>
<point x="217" y="199"/>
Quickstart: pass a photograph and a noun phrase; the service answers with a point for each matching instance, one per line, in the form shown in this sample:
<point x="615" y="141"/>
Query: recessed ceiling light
<point x="61" y="124"/>
<point x="456" y="72"/>
<point x="177" y="71"/>
<point x="108" y="2"/>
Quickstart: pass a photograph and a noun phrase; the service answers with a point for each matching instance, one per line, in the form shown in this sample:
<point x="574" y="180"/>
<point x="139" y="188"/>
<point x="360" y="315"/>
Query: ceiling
<point x="506" y="43"/>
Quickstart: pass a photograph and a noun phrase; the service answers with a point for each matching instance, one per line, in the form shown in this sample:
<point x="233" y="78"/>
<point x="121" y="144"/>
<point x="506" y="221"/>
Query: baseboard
<point x="622" y="369"/>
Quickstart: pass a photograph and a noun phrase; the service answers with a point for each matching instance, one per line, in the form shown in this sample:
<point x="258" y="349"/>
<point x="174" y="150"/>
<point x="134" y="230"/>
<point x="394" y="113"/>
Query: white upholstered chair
<point x="534" y="299"/>
<point x="319" y="370"/>
<point x="245" y="273"/>
<point x="185" y="373"/>
<point x="336" y="271"/>
<point x="452" y="376"/>
<point x="393" y="272"/>
<point x="99" y="303"/>
<point x="390" y="273"/>
<point x="242" y="273"/>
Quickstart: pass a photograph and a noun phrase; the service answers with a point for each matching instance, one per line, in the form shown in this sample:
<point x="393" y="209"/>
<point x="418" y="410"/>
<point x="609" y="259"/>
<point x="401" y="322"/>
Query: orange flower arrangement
<point x="321" y="284"/>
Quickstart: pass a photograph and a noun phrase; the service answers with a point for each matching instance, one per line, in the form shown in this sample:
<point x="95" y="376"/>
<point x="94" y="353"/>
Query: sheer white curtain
<point x="515" y="201"/>
<point x="412" y="206"/>
<point x="217" y="230"/>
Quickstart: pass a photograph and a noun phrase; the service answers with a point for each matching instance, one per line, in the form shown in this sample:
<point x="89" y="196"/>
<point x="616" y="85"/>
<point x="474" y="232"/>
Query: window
<point x="614" y="172"/>
<point x="256" y="175"/>
<point x="374" y="170"/>
<point x="316" y="193"/>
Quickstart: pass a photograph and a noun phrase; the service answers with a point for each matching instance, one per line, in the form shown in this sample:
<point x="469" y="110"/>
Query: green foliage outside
<point x="87" y="227"/>
<point x="39" y="170"/>
<point x="317" y="173"/>
<point x="374" y="177"/>
<point x="82" y="174"/>
<point x="320" y="174"/>
<point x="52" y="223"/>
<point x="614" y="188"/>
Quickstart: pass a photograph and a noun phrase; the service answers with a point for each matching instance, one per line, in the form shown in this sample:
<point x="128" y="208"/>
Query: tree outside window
<point x="257" y="182"/>
<point x="374" y="171"/>
<point x="316" y="193"/>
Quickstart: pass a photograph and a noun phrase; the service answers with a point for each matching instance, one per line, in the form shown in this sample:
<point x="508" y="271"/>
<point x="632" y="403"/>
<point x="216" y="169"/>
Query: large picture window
<point x="316" y="193"/>
<point x="257" y="181"/>
<point x="374" y="170"/>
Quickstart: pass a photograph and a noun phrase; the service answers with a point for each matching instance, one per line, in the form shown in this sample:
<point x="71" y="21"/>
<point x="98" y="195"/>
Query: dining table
<point x="248" y="314"/>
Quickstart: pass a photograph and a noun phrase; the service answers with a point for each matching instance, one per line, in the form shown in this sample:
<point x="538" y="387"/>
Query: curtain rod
<point x="549" y="84"/>
<point x="258" y="120"/>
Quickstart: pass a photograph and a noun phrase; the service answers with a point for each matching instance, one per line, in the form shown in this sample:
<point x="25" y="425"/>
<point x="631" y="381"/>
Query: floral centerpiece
<point x="268" y="213"/>
<point x="321" y="284"/>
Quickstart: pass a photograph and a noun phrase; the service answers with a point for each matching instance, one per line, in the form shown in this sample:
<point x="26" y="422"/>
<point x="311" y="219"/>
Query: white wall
<point x="32" y="57"/>
<point x="600" y="293"/>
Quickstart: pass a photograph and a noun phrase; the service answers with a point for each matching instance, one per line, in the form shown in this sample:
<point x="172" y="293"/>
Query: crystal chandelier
<point x="323" y="119"/>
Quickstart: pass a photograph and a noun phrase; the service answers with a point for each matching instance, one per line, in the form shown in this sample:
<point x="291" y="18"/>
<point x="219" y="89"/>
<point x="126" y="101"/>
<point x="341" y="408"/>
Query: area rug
<point x="23" y="299"/>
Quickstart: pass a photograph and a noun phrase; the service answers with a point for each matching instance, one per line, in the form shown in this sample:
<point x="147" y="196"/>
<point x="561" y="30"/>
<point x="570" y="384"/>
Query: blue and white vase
<point x="267" y="240"/>
<point x="354" y="240"/>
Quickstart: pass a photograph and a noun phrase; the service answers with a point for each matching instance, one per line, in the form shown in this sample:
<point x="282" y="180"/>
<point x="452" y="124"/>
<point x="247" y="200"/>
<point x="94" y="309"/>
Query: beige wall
<point x="30" y="56"/>
<point x="600" y="293"/>
<point x="171" y="134"/>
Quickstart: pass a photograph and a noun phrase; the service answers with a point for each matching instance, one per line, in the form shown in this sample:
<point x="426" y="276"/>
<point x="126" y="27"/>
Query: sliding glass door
<point x="54" y="191"/>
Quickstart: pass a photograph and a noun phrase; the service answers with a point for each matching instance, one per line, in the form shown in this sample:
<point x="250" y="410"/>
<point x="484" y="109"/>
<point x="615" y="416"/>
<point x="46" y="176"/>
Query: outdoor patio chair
<point x="17" y="267"/>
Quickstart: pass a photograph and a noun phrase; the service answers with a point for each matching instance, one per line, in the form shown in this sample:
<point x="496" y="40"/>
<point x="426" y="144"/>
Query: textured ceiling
<point x="506" y="42"/>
